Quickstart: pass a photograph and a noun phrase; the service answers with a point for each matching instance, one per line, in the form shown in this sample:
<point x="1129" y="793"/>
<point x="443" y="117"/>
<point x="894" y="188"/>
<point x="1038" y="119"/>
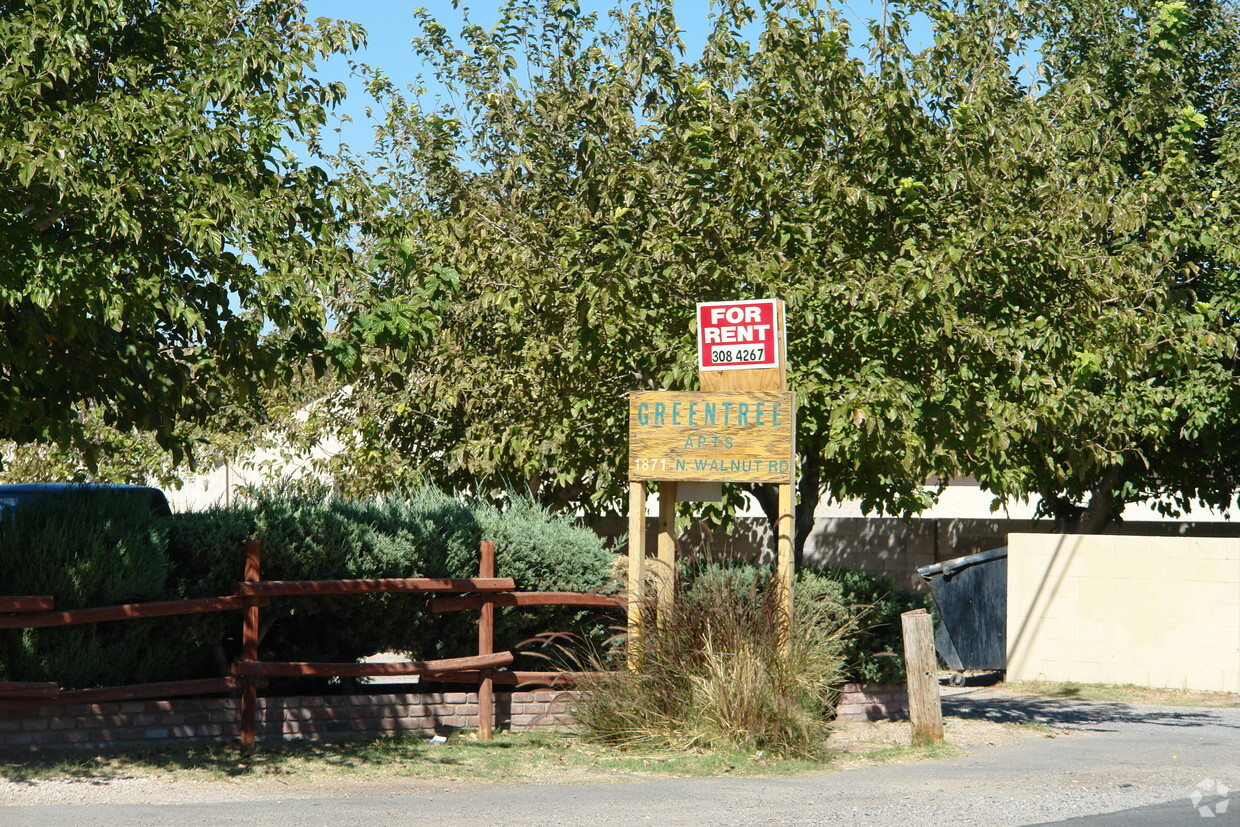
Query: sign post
<point x="637" y="574"/>
<point x="741" y="427"/>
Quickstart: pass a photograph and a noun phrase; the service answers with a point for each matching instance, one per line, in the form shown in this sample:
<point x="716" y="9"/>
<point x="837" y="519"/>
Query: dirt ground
<point x="856" y="744"/>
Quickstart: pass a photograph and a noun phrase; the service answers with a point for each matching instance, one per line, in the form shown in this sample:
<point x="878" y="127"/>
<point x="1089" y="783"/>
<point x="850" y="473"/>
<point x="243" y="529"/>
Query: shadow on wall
<point x="751" y="540"/>
<point x="888" y="546"/>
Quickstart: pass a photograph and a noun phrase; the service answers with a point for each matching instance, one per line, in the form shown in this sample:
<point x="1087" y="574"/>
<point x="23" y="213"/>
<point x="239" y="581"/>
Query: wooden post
<point x="249" y="650"/>
<point x="925" y="708"/>
<point x="784" y="562"/>
<point x="770" y="379"/>
<point x="486" y="644"/>
<point x="666" y="588"/>
<point x="637" y="574"/>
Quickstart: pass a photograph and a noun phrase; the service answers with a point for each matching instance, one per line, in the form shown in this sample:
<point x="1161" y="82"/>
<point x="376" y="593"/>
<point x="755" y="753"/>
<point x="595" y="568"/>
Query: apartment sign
<point x="712" y="437"/>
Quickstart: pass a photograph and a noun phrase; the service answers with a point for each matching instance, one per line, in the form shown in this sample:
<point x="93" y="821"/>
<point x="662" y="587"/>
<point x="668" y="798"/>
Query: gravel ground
<point x="1076" y="760"/>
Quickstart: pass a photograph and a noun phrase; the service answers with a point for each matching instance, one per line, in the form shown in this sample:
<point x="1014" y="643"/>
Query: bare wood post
<point x="666" y="582"/>
<point x="486" y="644"/>
<point x="637" y="573"/>
<point x="249" y="650"/>
<point x="925" y="707"/>
<point x="784" y="562"/>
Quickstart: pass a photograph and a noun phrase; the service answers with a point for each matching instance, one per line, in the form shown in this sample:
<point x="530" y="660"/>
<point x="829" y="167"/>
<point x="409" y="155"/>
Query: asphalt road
<point x="1120" y="765"/>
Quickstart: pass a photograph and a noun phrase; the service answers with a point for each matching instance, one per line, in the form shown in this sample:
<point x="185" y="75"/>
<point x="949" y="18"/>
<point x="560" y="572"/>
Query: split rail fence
<point x="484" y="592"/>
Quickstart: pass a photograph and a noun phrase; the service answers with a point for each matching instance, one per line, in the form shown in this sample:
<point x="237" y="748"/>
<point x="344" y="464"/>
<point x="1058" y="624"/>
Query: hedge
<point x="91" y="552"/>
<point x="874" y="652"/>
<point x="98" y="550"/>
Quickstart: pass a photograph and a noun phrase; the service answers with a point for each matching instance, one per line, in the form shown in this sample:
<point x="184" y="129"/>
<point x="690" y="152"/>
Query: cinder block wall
<point x="1151" y="611"/>
<point x="892" y="547"/>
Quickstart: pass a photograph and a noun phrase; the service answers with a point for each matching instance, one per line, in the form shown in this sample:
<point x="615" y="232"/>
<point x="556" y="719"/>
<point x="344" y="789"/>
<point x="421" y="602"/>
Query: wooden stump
<point x="924" y="706"/>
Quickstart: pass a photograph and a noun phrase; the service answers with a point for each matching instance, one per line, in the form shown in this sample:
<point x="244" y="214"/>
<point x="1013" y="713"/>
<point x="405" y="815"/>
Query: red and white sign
<point x="737" y="335"/>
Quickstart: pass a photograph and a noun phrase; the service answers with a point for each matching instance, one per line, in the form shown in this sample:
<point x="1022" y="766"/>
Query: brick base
<point x="873" y="703"/>
<point x="34" y="726"/>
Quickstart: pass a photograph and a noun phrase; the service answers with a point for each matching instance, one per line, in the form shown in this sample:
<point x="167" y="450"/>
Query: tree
<point x="1101" y="223"/>
<point x="165" y="250"/>
<point x="266" y="420"/>
<point x="1029" y="279"/>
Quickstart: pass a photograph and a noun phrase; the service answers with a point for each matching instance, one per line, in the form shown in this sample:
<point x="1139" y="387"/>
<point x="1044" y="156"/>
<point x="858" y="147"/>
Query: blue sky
<point x="389" y="25"/>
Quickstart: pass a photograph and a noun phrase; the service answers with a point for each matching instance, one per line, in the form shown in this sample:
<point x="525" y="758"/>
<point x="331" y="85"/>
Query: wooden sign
<point x="722" y="436"/>
<point x="738" y="335"/>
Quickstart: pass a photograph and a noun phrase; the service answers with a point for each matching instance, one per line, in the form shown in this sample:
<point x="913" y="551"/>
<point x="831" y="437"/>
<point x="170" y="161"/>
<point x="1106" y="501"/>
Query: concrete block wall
<point x="1150" y="611"/>
<point x="893" y="547"/>
<point x="37" y="726"/>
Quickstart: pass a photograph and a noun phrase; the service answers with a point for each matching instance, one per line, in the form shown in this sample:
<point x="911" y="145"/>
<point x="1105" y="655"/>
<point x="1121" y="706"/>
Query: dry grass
<point x="1126" y="693"/>
<point x="716" y="675"/>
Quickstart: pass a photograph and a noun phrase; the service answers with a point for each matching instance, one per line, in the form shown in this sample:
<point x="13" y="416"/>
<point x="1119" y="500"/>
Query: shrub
<point x="545" y="551"/>
<point x="715" y="674"/>
<point x="306" y="533"/>
<point x="92" y="549"/>
<point x="874" y="649"/>
<point x="874" y="652"/>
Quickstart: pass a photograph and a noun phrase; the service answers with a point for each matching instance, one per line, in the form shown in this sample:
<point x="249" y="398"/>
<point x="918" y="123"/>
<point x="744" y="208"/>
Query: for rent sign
<point x="737" y="335"/>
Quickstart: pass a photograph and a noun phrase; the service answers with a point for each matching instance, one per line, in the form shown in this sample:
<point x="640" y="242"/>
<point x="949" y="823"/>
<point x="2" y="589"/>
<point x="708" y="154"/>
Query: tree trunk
<point x="808" y="494"/>
<point x="809" y="490"/>
<point x="1096" y="515"/>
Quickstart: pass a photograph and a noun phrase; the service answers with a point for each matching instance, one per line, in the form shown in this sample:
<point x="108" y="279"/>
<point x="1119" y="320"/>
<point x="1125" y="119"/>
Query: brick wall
<point x="32" y="726"/>
<point x="873" y="703"/>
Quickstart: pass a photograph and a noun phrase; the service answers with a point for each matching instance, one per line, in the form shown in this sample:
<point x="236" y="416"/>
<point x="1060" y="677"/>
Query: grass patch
<point x="1126" y="693"/>
<point x="521" y="757"/>
<point x="905" y="754"/>
<point x="509" y="758"/>
<point x="1035" y="726"/>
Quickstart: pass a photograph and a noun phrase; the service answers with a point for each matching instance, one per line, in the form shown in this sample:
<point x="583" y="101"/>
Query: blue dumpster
<point x="970" y="594"/>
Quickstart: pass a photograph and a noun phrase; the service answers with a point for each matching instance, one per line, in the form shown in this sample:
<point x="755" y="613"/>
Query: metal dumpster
<point x="970" y="594"/>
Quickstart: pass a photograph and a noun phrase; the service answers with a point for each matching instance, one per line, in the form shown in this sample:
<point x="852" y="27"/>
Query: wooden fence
<point x="484" y="592"/>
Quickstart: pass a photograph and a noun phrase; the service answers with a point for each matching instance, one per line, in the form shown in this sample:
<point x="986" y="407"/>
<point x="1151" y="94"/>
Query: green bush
<point x="95" y="548"/>
<point x="309" y="534"/>
<point x="544" y="551"/>
<point x="873" y="650"/>
<point x="96" y="553"/>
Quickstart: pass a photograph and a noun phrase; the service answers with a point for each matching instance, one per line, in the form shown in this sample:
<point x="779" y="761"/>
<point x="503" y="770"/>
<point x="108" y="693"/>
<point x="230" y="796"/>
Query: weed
<point x="716" y="675"/>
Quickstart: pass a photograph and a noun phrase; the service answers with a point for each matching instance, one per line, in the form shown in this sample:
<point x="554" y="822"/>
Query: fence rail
<point x="484" y="592"/>
<point x="139" y="691"/>
<point x="28" y="603"/>
<point x="567" y="599"/>
<point x="127" y="611"/>
<point x="294" y="669"/>
<point x="28" y="689"/>
<point x="286" y="588"/>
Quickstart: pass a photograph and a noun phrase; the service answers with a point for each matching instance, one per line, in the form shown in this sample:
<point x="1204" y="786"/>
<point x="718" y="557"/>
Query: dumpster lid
<point x="948" y="566"/>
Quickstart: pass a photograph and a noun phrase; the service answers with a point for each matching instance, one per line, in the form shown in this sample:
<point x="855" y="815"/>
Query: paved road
<point x="1123" y="765"/>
